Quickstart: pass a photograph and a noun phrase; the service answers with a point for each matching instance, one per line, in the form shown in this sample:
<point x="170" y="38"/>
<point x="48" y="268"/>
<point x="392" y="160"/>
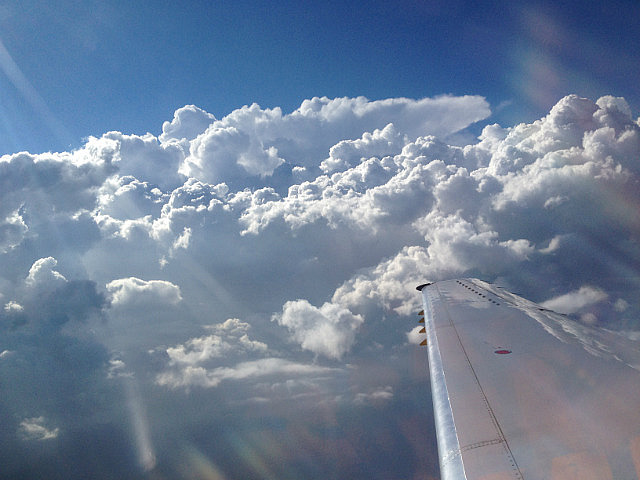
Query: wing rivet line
<point x="477" y="292"/>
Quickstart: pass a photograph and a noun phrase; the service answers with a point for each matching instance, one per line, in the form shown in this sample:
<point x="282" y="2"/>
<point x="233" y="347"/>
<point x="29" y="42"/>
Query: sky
<point x="213" y="219"/>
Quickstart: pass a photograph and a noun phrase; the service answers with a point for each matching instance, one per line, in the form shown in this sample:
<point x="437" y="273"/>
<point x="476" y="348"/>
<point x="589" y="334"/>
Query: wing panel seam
<point x="471" y="446"/>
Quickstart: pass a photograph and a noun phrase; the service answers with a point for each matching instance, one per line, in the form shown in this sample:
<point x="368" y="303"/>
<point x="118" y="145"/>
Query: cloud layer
<point x="269" y="257"/>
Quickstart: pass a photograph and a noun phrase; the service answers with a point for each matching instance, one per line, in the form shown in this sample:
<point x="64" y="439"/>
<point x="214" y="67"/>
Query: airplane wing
<point x="521" y="392"/>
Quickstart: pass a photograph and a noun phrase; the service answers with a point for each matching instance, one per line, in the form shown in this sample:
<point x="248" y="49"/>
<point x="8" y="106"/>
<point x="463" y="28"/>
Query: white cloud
<point x="12" y="231"/>
<point x="196" y="376"/>
<point x="41" y="185"/>
<point x="35" y="428"/>
<point x="372" y="195"/>
<point x="397" y="204"/>
<point x="575" y="301"/>
<point x="145" y="158"/>
<point x="329" y="330"/>
<point x="13" y="307"/>
<point x="495" y="218"/>
<point x="349" y="200"/>
<point x="231" y="337"/>
<point x="43" y="276"/>
<point x="118" y="369"/>
<point x="391" y="284"/>
<point x="252" y="141"/>
<point x="136" y="293"/>
<point x="188" y="122"/>
<point x="383" y="394"/>
<point x="349" y="153"/>
<point x="127" y="198"/>
<point x="621" y="305"/>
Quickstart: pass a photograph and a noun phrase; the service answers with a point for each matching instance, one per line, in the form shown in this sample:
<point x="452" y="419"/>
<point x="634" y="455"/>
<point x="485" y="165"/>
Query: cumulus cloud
<point x="136" y="293"/>
<point x="42" y="275"/>
<point x="36" y="428"/>
<point x="255" y="141"/>
<point x="201" y="377"/>
<point x="143" y="313"/>
<point x="575" y="301"/>
<point x="47" y="299"/>
<point x="533" y="191"/>
<point x="50" y="358"/>
<point x="378" y="191"/>
<point x="127" y="198"/>
<point x="230" y="337"/>
<point x="188" y="122"/>
<point x="197" y="362"/>
<point x="390" y="284"/>
<point x="13" y="307"/>
<point x="620" y="305"/>
<point x="437" y="209"/>
<point x="329" y="330"/>
<point x="349" y="153"/>
<point x="12" y="231"/>
<point x="343" y="204"/>
<point x="383" y="394"/>
<point x="374" y="194"/>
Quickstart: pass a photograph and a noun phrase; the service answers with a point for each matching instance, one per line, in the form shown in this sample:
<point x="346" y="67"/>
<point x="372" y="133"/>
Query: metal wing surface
<point x="521" y="392"/>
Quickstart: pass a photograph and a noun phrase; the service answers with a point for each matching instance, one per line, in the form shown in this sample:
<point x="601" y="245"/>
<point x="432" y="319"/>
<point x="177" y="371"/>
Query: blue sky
<point x="126" y="66"/>
<point x="213" y="274"/>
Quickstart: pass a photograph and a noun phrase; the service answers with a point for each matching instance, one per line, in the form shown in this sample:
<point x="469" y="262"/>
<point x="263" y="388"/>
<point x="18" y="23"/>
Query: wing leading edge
<point x="520" y="392"/>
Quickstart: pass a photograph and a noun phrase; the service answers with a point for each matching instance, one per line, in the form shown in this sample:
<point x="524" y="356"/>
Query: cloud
<point x="381" y="198"/>
<point x="201" y="377"/>
<point x="51" y="358"/>
<point x="136" y="293"/>
<point x="143" y="314"/>
<point x="197" y="362"/>
<point x="46" y="299"/>
<point x="12" y="231"/>
<point x="329" y="330"/>
<point x="127" y="198"/>
<point x="144" y="157"/>
<point x="372" y="195"/>
<point x="41" y="185"/>
<point x="575" y="301"/>
<point x="43" y="276"/>
<point x="135" y="257"/>
<point x="349" y="153"/>
<point x="533" y="192"/>
<point x="383" y="394"/>
<point x="230" y="337"/>
<point x="34" y="429"/>
<point x="620" y="305"/>
<point x="188" y="122"/>
<point x="390" y="284"/>
<point x="254" y="141"/>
